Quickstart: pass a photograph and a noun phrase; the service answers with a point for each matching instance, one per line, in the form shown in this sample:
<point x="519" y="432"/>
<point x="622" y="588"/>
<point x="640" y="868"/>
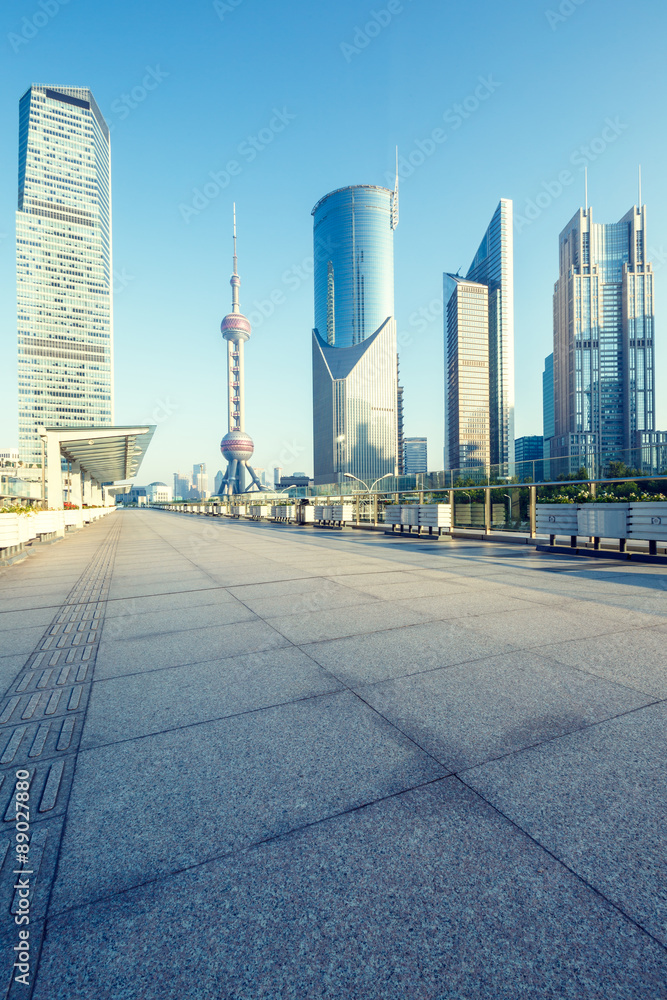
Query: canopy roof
<point x="108" y="454"/>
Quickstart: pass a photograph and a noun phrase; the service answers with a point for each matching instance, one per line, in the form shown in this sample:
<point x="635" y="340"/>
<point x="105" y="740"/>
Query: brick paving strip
<point x="41" y="721"/>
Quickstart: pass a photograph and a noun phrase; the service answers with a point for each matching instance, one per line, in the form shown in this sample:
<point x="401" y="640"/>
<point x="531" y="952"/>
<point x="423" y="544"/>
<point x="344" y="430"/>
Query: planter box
<point x="603" y="520"/>
<point x="342" y="512"/>
<point x="73" y="518"/>
<point x="307" y="514"/>
<point x="392" y="514"/>
<point x="284" y="512"/>
<point x="410" y="513"/>
<point x="435" y="515"/>
<point x="9" y="530"/>
<point x="322" y="512"/>
<point x="259" y="510"/>
<point x="557" y="519"/>
<point x="648" y="521"/>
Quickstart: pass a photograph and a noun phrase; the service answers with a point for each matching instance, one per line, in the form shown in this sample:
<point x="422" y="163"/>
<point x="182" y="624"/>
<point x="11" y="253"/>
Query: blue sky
<point x="283" y="102"/>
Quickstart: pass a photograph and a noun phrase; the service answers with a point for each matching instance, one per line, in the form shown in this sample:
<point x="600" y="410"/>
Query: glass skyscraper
<point x="355" y="387"/>
<point x="63" y="264"/>
<point x="467" y="437"/>
<point x="604" y="381"/>
<point x="415" y="455"/>
<point x="479" y="354"/>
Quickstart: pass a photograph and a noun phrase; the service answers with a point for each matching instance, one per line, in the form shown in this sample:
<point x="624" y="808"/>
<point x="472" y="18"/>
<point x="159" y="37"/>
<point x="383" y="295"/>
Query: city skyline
<point x="289" y="143"/>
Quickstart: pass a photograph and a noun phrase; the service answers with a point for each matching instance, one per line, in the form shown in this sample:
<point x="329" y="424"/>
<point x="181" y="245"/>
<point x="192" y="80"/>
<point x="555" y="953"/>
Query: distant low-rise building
<point x="159" y="493"/>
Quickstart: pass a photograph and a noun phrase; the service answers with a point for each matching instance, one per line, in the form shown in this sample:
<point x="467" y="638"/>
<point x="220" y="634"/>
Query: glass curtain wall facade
<point x="355" y="382"/>
<point x="63" y="264"/>
<point x="467" y="424"/>
<point x="415" y="456"/>
<point x="604" y="380"/>
<point x="548" y="425"/>
<point x="493" y="266"/>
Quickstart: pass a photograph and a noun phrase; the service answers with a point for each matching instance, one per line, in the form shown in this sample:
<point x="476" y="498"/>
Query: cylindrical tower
<point x="353" y="250"/>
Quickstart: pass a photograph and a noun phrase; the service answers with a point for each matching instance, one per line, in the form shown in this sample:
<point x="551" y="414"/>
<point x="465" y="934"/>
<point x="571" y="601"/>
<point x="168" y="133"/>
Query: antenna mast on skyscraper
<point x="640" y="187"/>
<point x="586" y="188"/>
<point x="394" y="201"/>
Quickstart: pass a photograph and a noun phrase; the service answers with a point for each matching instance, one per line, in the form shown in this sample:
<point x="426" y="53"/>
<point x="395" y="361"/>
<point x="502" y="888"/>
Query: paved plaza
<point x="276" y="762"/>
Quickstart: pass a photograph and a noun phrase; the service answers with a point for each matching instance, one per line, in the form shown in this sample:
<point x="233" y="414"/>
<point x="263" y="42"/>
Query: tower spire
<point x="640" y="188"/>
<point x="235" y="281"/>
<point x="586" y="188"/>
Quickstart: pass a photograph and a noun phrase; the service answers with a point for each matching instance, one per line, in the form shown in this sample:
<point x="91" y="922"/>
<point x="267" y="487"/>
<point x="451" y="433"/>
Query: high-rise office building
<point x="529" y="457"/>
<point x="63" y="264"/>
<point x="355" y="387"/>
<point x="548" y="425"/>
<point x="415" y="459"/>
<point x="467" y="428"/>
<point x="182" y="487"/>
<point x="200" y="481"/>
<point x="484" y="296"/>
<point x="400" y="422"/>
<point x="604" y="381"/>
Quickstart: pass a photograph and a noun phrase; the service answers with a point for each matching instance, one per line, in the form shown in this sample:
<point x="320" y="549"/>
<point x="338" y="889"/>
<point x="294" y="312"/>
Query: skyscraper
<point x="63" y="264"/>
<point x="484" y="298"/>
<point x="548" y="425"/>
<point x="200" y="480"/>
<point x="604" y="381"/>
<point x="415" y="461"/>
<point x="355" y="388"/>
<point x="467" y="429"/>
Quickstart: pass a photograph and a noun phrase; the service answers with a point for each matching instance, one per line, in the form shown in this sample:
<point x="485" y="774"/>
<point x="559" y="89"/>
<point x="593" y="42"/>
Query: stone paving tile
<point x="176" y="798"/>
<point x="20" y="640"/>
<point x="133" y="626"/>
<point x="315" y="626"/>
<point x="412" y="588"/>
<point x="284" y="588"/>
<point x="637" y="658"/>
<point x="153" y="586"/>
<point x="467" y="602"/>
<point x="596" y="800"/>
<point x="24" y="618"/>
<point x="365" y="659"/>
<point x="168" y="602"/>
<point x="125" y="707"/>
<point x="128" y="656"/>
<point x="539" y="625"/>
<point x="315" y="600"/>
<point x="465" y="715"/>
<point x="9" y="668"/>
<point x="430" y="895"/>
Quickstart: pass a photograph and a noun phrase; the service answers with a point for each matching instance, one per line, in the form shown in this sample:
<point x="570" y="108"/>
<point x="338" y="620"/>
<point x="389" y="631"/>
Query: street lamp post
<point x="369" y="489"/>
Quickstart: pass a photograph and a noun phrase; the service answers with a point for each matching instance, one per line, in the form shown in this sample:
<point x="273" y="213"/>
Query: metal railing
<point x="486" y="509"/>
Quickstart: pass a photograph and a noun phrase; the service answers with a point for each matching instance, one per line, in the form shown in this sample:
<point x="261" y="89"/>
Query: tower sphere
<point x="237" y="445"/>
<point x="235" y="327"/>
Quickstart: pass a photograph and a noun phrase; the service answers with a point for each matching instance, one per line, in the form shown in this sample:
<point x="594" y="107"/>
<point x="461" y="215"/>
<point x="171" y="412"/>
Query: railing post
<point x="532" y="510"/>
<point x="356" y="510"/>
<point x="451" y="510"/>
<point x="487" y="510"/>
<point x="375" y="510"/>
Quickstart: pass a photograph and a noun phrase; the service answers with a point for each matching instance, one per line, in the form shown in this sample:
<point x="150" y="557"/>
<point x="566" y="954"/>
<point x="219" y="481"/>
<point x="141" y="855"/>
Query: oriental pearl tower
<point x="236" y="446"/>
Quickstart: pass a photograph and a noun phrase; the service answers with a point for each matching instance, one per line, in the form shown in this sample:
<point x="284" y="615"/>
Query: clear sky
<point x="283" y="102"/>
